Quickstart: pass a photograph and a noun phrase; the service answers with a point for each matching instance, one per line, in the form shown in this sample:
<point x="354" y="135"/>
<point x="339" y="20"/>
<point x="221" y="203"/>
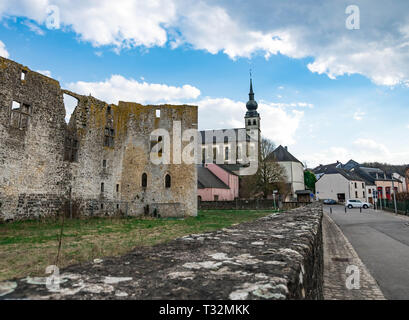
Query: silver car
<point x="357" y="204"/>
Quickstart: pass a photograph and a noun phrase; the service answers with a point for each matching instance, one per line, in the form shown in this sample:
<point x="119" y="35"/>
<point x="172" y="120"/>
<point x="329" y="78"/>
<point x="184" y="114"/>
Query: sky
<point x="332" y="82"/>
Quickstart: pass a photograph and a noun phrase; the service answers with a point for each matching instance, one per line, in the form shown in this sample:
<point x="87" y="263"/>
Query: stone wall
<point x="251" y="204"/>
<point x="276" y="257"/>
<point x="94" y="164"/>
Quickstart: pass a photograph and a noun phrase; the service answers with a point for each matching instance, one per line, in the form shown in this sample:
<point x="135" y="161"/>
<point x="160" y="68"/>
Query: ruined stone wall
<point x="120" y="167"/>
<point x="32" y="171"/>
<point x="93" y="165"/>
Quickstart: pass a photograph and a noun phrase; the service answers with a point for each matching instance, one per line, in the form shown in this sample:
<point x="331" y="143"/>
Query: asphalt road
<point x="381" y="240"/>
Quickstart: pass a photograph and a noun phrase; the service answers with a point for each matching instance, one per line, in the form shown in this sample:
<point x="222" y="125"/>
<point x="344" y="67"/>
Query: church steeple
<point x="251" y="105"/>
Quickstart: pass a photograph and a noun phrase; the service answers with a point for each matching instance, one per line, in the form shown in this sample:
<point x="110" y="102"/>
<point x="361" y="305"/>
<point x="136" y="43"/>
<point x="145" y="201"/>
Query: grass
<point x="28" y="247"/>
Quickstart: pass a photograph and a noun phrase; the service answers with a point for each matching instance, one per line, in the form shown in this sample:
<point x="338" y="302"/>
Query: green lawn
<point x="27" y="248"/>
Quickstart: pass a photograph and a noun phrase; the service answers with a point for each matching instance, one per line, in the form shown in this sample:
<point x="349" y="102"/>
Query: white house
<point x="401" y="178"/>
<point x="340" y="185"/>
<point x="294" y="170"/>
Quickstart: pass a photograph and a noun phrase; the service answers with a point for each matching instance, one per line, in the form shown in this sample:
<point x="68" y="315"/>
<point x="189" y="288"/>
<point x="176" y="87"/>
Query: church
<point x="226" y="152"/>
<point x="234" y="148"/>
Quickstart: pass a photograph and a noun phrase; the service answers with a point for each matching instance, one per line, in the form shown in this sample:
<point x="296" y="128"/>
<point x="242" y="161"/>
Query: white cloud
<point x="277" y="123"/>
<point x="119" y="88"/>
<point x="34" y="27"/>
<point x="292" y="104"/>
<point x="47" y="73"/>
<point x="371" y="147"/>
<point x="379" y="50"/>
<point x="359" y="115"/>
<point x="3" y="51"/>
<point x="361" y="150"/>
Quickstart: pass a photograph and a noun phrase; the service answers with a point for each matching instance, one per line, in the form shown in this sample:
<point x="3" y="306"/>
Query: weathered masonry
<point x="97" y="164"/>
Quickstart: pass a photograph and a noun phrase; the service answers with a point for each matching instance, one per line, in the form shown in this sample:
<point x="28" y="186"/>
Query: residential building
<point x="216" y="183"/>
<point x="321" y="169"/>
<point x="407" y="179"/>
<point x="340" y="185"/>
<point x="401" y="178"/>
<point x="293" y="168"/>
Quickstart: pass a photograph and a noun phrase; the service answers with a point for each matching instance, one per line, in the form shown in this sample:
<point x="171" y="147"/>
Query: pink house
<point x="216" y="183"/>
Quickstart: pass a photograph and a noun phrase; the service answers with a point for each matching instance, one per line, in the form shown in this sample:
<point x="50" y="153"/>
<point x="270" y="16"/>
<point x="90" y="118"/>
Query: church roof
<point x="281" y="154"/>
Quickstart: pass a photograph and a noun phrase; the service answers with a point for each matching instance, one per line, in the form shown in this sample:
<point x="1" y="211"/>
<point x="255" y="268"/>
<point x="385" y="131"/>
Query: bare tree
<point x="269" y="177"/>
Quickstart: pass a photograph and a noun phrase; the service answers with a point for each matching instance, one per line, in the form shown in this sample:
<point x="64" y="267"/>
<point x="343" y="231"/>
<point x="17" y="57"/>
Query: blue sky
<point x="327" y="92"/>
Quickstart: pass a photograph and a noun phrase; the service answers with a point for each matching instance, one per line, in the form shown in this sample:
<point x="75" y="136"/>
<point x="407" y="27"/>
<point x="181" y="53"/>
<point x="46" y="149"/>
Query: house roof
<point x="206" y="179"/>
<point x="346" y="174"/>
<point x="369" y="180"/>
<point x="350" y="165"/>
<point x="231" y="168"/>
<point x="281" y="154"/>
<point x="322" y="168"/>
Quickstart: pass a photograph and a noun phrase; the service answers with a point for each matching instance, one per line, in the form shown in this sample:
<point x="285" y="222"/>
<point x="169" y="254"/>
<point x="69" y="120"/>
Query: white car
<point x="357" y="204"/>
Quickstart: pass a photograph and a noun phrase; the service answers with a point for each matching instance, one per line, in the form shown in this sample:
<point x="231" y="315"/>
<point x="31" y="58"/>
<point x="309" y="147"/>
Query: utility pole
<point x="394" y="196"/>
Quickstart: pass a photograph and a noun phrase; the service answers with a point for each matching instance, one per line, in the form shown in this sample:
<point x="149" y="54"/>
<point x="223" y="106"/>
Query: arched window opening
<point x="144" y="180"/>
<point x="254" y="122"/>
<point x="167" y="181"/>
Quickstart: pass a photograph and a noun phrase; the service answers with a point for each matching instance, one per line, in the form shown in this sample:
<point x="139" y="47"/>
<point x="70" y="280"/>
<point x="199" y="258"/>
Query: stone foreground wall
<point x="276" y="257"/>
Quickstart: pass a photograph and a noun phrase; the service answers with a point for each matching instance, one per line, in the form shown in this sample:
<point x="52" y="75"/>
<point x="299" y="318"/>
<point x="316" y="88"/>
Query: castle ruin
<point x="97" y="164"/>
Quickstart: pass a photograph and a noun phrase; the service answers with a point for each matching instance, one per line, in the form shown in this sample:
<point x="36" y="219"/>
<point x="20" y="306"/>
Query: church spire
<point x="251" y="94"/>
<point x="251" y="105"/>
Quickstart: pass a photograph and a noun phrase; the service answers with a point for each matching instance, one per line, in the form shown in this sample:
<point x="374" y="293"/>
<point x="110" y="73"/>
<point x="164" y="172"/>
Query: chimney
<point x="286" y="148"/>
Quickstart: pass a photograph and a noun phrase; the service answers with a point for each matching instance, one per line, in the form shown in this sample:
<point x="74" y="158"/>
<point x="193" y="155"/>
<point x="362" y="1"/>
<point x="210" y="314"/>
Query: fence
<point x="401" y="206"/>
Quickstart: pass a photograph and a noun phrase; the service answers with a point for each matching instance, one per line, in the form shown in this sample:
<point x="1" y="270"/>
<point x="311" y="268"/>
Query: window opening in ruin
<point x="160" y="150"/>
<point x="144" y="180"/>
<point x="20" y="115"/>
<point x="23" y="75"/>
<point x="157" y="113"/>
<point x="167" y="181"/>
<point x="109" y="110"/>
<point x="15" y="106"/>
<point x="102" y="206"/>
<point x="102" y="187"/>
<point x="71" y="149"/>
<point x="104" y="164"/>
<point x="70" y="103"/>
<point x="117" y="206"/>
<point x="109" y="137"/>
<point x="117" y="188"/>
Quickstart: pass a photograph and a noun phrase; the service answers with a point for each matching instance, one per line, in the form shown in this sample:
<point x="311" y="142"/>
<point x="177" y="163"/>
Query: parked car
<point x="329" y="201"/>
<point x="357" y="204"/>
